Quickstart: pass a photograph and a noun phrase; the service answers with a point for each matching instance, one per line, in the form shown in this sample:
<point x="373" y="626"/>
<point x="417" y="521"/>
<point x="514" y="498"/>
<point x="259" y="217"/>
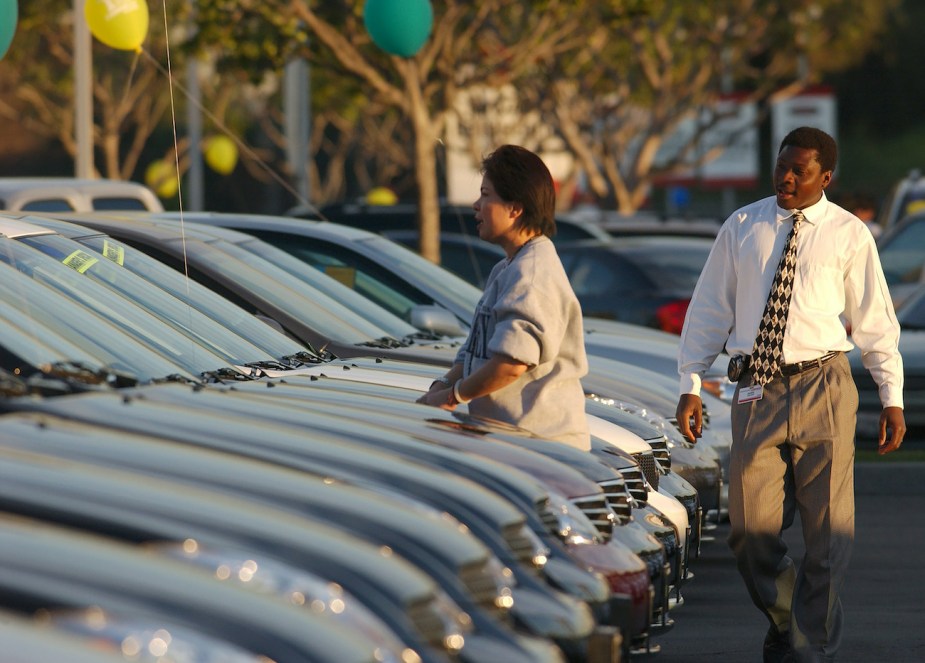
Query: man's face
<point x="798" y="178"/>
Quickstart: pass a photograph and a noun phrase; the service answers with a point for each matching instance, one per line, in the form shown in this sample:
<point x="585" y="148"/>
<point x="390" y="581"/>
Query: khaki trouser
<point x="794" y="449"/>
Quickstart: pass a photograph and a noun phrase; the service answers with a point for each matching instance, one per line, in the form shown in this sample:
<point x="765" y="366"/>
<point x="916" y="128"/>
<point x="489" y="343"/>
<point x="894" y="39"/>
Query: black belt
<point x="800" y="366"/>
<point x="741" y="364"/>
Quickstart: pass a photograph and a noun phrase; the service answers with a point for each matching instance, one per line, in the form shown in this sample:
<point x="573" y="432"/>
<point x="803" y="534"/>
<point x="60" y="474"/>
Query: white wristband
<point x="456" y="394"/>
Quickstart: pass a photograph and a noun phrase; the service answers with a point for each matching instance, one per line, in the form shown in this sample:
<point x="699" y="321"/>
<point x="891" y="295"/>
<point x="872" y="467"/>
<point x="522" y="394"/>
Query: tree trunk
<point x="425" y="167"/>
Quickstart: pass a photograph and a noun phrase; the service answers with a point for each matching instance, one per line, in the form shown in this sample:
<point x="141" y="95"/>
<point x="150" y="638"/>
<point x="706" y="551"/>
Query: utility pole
<point x="297" y="112"/>
<point x="83" y="97"/>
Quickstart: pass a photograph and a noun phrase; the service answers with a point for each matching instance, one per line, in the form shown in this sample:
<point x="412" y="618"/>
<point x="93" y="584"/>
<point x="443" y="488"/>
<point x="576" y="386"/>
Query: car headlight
<point x="572" y="525"/>
<point x="456" y="622"/>
<point x="504" y="583"/>
<point x="297" y="587"/>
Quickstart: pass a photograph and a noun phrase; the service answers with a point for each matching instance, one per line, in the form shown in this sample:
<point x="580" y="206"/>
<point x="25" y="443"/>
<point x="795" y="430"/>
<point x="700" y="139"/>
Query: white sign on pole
<point x="816" y="107"/>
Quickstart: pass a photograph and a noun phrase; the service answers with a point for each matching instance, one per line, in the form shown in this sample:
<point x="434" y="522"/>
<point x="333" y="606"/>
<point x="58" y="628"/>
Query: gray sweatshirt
<point x="529" y="313"/>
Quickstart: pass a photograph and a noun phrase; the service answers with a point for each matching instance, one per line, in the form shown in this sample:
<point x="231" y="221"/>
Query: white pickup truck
<point x="66" y="194"/>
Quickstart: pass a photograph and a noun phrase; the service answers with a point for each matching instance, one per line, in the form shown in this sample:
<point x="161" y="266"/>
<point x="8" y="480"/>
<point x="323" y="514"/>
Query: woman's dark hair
<point x="520" y="176"/>
<point x="810" y="138"/>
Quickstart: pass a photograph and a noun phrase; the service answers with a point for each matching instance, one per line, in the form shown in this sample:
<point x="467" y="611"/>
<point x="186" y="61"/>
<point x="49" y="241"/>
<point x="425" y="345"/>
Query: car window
<point x="197" y="295"/>
<point x="599" y="273"/>
<point x="674" y="267"/>
<point x="109" y="305"/>
<point x="345" y="284"/>
<point x="35" y="305"/>
<point x="350" y="268"/>
<point x="48" y="205"/>
<point x="119" y="204"/>
<point x="204" y="330"/>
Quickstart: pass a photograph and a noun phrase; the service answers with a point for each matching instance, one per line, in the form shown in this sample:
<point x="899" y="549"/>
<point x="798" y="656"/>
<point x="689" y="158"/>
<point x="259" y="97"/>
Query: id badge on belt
<point x="749" y="394"/>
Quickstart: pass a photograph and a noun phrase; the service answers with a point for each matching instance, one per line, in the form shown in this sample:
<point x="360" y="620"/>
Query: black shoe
<point x="777" y="647"/>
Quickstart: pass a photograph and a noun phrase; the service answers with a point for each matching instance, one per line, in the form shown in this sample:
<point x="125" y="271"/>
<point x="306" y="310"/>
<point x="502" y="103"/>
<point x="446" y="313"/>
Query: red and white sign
<point x="815" y="107"/>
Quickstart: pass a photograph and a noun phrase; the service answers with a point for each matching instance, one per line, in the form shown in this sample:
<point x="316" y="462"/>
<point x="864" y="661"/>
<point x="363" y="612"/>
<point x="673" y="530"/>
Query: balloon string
<point x="176" y="156"/>
<point x="242" y="147"/>
<point x="173" y="122"/>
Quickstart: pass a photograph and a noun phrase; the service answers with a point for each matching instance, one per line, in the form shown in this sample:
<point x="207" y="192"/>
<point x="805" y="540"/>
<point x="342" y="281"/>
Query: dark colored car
<point x="644" y="280"/>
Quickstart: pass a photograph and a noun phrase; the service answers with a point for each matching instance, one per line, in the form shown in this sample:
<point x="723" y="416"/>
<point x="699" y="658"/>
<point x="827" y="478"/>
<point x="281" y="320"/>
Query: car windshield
<point x="111" y="306"/>
<point x="331" y="286"/>
<point x="902" y="254"/>
<point x="36" y="308"/>
<point x="675" y="266"/>
<point x="454" y="292"/>
<point x="196" y="295"/>
<point x="286" y="292"/>
<point x="204" y="330"/>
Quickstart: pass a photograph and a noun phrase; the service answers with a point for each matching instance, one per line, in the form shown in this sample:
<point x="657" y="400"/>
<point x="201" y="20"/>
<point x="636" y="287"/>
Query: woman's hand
<point x="439" y="396"/>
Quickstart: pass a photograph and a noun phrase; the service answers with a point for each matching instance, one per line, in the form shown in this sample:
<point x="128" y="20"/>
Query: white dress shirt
<point x="838" y="281"/>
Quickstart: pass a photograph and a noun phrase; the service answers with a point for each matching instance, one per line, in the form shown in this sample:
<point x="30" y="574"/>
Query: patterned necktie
<point x="768" y="352"/>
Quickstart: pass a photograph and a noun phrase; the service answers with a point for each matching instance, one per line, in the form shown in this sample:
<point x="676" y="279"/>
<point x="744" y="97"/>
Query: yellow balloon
<point x="221" y="154"/>
<point x="121" y="24"/>
<point x="161" y="176"/>
<point x="381" y="195"/>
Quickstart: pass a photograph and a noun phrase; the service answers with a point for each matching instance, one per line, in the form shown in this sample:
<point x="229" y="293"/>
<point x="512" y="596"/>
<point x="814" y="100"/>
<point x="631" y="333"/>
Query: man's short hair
<point x="811" y="138"/>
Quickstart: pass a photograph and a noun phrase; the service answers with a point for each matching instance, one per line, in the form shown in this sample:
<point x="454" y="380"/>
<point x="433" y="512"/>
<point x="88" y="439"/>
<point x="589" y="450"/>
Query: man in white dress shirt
<point x="793" y="437"/>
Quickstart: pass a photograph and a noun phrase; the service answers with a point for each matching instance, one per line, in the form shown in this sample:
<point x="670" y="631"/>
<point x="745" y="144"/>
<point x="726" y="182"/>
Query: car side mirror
<point x="436" y="319"/>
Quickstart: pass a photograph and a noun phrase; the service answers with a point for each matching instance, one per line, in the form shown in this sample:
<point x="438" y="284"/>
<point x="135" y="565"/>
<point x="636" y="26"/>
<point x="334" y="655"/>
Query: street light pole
<point x="83" y="97"/>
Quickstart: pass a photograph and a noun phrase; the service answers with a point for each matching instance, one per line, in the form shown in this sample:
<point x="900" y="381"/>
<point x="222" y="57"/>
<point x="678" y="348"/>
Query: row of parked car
<point x="210" y="447"/>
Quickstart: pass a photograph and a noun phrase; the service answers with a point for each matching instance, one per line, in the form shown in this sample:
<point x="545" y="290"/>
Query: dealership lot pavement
<point x="883" y="597"/>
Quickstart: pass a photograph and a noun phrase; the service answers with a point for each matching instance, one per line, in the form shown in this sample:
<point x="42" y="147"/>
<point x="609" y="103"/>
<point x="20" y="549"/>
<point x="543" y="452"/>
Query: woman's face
<point x="497" y="220"/>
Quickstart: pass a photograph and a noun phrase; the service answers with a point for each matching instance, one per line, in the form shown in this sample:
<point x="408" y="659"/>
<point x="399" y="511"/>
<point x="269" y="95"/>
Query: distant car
<point x="902" y="254"/>
<point x="65" y="194"/>
<point x="453" y="219"/>
<point x="643" y="280"/>
<point x="911" y="317"/>
<point x="906" y="197"/>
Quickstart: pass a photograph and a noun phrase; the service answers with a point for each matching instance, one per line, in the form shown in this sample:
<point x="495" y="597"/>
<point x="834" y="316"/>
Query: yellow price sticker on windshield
<point x="113" y="252"/>
<point x="80" y="261"/>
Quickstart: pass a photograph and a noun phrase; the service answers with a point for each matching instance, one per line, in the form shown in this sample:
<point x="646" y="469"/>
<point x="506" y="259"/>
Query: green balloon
<point x="399" y="27"/>
<point x="9" y="15"/>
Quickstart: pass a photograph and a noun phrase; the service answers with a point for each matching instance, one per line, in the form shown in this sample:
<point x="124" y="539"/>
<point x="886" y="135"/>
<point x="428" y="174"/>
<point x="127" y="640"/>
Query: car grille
<point x="481" y="585"/>
<point x="618" y="499"/>
<point x="690" y="505"/>
<point x="661" y="452"/>
<point x="428" y="622"/>
<point x="635" y="484"/>
<point x="519" y="543"/>
<point x="550" y="522"/>
<point x="598" y="511"/>
<point x="649" y="469"/>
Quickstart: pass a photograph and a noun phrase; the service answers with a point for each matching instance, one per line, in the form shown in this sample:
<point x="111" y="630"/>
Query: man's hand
<point x="893" y="422"/>
<point x="690" y="408"/>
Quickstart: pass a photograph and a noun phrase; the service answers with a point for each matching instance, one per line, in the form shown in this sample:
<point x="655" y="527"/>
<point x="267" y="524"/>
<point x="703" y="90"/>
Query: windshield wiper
<point x="80" y="372"/>
<point x="386" y="342"/>
<point x="302" y="357"/>
<point x="228" y="374"/>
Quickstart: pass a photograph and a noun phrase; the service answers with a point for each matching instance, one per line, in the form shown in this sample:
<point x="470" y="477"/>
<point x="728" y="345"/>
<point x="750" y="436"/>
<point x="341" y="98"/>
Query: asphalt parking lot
<point x="882" y="599"/>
